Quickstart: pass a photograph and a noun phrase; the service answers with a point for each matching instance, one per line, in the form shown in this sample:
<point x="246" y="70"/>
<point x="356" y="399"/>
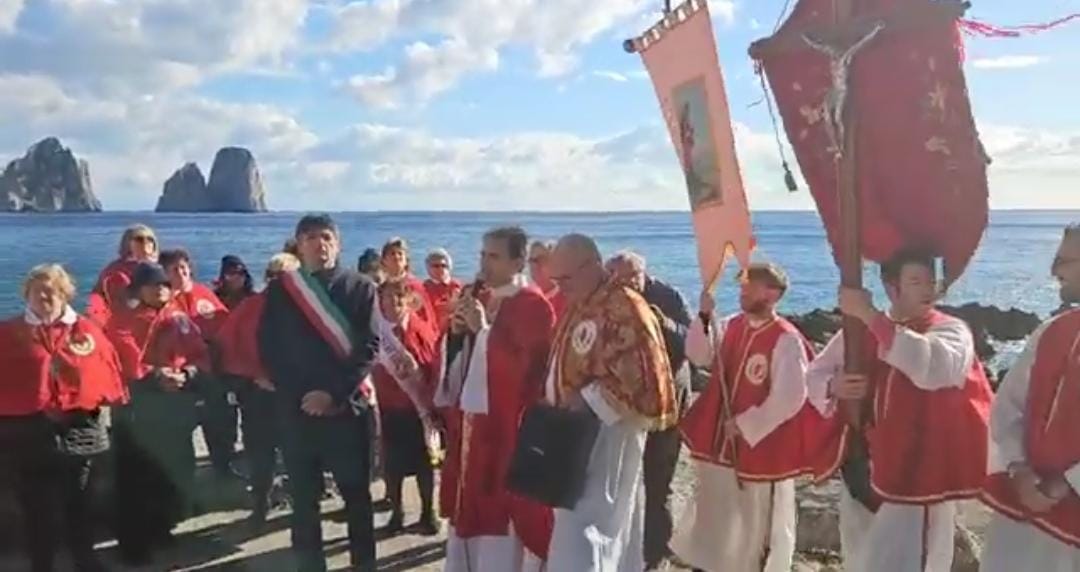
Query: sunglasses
<point x="439" y="265"/>
<point x="143" y="238"/>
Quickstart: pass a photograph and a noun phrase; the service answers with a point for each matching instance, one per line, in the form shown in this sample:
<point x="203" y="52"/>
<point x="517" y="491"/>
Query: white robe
<point x="605" y="530"/>
<point x="728" y="528"/>
<point x="1013" y="545"/>
<point x="892" y="540"/>
<point x="467" y="390"/>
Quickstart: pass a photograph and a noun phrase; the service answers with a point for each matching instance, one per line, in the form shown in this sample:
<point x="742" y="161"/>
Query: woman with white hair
<point x="441" y="287"/>
<point x="137" y="244"/>
<point x="59" y="370"/>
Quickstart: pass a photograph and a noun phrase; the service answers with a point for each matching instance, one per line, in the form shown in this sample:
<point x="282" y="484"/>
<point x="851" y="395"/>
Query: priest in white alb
<point x="609" y="358"/>
<point x="746" y="432"/>
<point x="927" y="439"/>
<point x="497" y="355"/>
<point x="1035" y="448"/>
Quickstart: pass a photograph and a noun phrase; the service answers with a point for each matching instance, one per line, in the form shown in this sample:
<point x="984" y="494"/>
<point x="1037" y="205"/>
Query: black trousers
<point x="341" y="444"/>
<point x="218" y="419"/>
<point x="661" y="457"/>
<point x="155" y="467"/>
<point x="52" y="491"/>
<point x="262" y="438"/>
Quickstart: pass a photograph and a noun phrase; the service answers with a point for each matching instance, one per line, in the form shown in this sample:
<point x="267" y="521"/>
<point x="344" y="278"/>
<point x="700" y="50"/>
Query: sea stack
<point x="235" y="185"/>
<point x="49" y="178"/>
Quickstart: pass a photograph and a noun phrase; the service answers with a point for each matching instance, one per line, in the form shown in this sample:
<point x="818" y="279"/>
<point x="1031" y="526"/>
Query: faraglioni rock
<point x="49" y="178"/>
<point x="235" y="185"/>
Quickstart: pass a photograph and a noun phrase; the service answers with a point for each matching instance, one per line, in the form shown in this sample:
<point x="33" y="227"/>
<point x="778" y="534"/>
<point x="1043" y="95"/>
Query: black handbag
<point x="552" y="455"/>
<point x="82" y="434"/>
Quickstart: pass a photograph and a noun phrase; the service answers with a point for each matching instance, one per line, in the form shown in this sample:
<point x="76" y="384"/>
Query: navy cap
<point x="148" y="274"/>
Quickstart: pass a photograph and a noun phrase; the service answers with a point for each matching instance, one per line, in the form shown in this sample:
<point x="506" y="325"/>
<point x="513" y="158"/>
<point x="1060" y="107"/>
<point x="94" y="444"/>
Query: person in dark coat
<point x="234" y="283"/>
<point x="662" y="447"/>
<point x="317" y="341"/>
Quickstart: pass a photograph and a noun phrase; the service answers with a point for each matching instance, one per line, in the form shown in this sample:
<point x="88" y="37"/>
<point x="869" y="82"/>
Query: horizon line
<point x="492" y="211"/>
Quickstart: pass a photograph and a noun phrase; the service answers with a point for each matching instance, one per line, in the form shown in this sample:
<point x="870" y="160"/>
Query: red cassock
<point x="473" y="491"/>
<point x="419" y="340"/>
<point x="110" y="292"/>
<point x="203" y="307"/>
<point x="147" y="338"/>
<point x="1051" y="433"/>
<point x="440" y="295"/>
<point x="64" y="367"/>
<point x="926" y="447"/>
<point x="746" y="354"/>
<point x="237" y="339"/>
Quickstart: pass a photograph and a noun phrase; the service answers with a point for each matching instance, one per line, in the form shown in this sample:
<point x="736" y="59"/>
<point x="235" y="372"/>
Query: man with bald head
<point x="1034" y="484"/>
<point x="609" y="359"/>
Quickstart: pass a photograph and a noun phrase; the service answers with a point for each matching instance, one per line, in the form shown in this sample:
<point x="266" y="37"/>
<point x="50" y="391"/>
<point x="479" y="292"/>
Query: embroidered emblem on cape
<point x="757" y="369"/>
<point x="82" y="345"/>
<point x="205" y="308"/>
<point x="183" y="322"/>
<point x="584" y="337"/>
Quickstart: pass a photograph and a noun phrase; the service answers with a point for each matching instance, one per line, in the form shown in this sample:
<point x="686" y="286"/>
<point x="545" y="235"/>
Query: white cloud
<point x="611" y="75"/>
<point x="471" y="34"/>
<point x="9" y="13"/>
<point x="723" y="11"/>
<point x="1008" y="62"/>
<point x="149" y="46"/>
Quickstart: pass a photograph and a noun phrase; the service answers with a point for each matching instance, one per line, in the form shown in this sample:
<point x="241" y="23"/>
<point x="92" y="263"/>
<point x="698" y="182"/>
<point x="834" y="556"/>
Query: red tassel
<point x="976" y="28"/>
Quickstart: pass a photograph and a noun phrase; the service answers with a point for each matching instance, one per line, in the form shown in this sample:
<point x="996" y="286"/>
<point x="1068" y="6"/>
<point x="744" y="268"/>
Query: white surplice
<point x="1013" y="545"/>
<point x="606" y="529"/>
<point x="891" y="540"/>
<point x="725" y="527"/>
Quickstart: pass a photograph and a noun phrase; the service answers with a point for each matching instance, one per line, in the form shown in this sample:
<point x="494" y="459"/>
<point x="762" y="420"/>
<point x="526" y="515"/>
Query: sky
<point x="456" y="104"/>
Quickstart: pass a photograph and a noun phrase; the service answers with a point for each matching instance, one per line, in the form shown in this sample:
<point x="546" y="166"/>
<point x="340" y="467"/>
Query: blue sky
<point x="481" y="104"/>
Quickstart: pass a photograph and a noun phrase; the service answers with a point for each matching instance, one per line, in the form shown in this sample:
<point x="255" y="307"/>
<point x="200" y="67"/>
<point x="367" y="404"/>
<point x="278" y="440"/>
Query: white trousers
<point x="898" y="538"/>
<point x="1013" y="546"/>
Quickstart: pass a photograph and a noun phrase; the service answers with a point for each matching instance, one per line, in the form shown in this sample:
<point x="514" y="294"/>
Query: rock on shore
<point x="49" y="178"/>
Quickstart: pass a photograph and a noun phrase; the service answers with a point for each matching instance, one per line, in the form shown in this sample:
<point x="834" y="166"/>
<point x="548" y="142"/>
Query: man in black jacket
<point x="662" y="447"/>
<point x="323" y="422"/>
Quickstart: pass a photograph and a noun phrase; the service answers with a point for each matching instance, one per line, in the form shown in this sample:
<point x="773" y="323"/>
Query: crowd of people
<point x="374" y="372"/>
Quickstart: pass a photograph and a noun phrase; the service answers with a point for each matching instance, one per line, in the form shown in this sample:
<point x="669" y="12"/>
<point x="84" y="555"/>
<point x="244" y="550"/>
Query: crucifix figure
<point x="839" y="65"/>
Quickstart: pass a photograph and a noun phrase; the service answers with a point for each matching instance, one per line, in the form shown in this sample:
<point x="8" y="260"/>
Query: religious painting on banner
<point x="680" y="55"/>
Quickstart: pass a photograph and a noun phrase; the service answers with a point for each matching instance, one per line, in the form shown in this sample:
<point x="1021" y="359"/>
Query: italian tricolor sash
<point x="314" y="301"/>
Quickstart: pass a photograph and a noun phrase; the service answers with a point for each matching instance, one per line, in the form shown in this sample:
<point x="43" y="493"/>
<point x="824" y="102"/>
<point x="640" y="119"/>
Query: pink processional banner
<point x="679" y="53"/>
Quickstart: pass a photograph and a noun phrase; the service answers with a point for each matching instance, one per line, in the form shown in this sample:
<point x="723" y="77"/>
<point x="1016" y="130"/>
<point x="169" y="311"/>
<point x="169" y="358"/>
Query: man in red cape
<point x="487" y="389"/>
<point x="1035" y="465"/>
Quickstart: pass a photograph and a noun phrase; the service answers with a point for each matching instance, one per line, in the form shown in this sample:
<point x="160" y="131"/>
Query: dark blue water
<point x="1011" y="269"/>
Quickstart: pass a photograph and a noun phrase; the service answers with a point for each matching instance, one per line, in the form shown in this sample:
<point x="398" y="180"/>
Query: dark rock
<point x="49" y="178"/>
<point x="235" y="185"/>
<point x="1004" y="325"/>
<point x="185" y="191"/>
<point x="818" y="326"/>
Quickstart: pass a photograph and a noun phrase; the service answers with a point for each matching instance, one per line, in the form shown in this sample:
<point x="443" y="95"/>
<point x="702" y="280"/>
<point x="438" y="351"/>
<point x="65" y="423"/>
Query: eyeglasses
<point x="1061" y="262"/>
<point x="143" y="238"/>
<point x="439" y="265"/>
<point x="567" y="277"/>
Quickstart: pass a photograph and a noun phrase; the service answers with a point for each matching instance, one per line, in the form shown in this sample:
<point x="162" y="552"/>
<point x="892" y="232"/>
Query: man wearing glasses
<point x="1035" y="460"/>
<point x="608" y="358"/>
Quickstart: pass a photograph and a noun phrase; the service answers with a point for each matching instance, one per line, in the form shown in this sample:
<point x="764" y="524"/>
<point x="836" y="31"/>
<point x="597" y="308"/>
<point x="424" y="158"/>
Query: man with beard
<point x="317" y="343"/>
<point x="745" y="432"/>
<point x="504" y="326"/>
<point x="927" y="437"/>
<point x="1035" y="460"/>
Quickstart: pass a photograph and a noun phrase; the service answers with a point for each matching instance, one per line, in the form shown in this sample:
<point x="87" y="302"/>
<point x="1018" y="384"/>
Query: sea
<point x="1011" y="269"/>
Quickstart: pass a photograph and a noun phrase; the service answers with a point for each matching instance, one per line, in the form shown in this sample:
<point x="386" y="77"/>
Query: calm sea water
<point x="1011" y="269"/>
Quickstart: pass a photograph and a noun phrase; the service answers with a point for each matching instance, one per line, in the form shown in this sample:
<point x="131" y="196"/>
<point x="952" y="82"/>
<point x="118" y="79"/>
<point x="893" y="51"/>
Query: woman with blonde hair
<point x="137" y="244"/>
<point x="59" y="370"/>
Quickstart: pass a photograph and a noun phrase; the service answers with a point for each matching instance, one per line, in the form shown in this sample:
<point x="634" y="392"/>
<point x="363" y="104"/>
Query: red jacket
<point x="440" y="295"/>
<point x="148" y="338"/>
<point x="237" y="340"/>
<point x="62" y="367"/>
<point x="110" y="291"/>
<point x="1051" y="431"/>
<point x="202" y="306"/>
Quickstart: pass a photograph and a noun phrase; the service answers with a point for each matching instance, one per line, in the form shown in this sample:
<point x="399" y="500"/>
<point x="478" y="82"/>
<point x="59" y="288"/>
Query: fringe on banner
<point x="977" y="28"/>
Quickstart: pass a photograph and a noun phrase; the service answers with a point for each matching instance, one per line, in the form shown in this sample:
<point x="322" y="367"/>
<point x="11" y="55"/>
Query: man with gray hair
<point x="609" y="359"/>
<point x="662" y="447"/>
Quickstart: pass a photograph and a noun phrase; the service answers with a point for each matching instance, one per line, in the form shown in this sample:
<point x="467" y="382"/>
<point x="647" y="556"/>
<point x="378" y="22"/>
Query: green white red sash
<point x="314" y="301"/>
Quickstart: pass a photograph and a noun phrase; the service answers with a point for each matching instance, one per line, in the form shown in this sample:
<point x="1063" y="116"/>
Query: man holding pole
<point x="927" y="435"/>
<point x="745" y="432"/>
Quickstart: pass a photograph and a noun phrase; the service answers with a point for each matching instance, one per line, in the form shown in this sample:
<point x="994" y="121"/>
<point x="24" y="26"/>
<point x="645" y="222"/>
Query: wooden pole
<point x="851" y="265"/>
